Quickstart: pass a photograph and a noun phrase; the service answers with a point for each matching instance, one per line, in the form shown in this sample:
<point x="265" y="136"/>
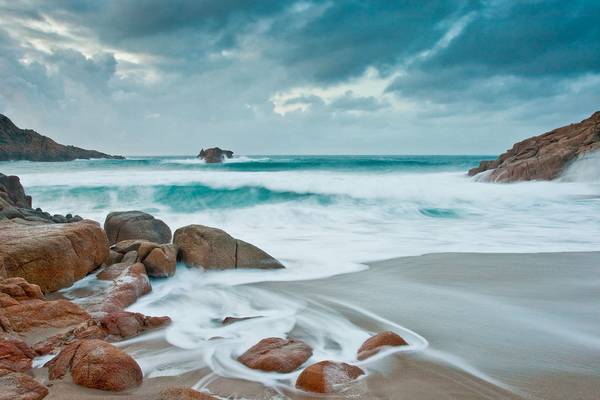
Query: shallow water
<point x="321" y="216"/>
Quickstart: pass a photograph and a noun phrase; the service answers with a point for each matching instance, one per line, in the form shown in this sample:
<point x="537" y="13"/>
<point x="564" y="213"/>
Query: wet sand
<point x="499" y="326"/>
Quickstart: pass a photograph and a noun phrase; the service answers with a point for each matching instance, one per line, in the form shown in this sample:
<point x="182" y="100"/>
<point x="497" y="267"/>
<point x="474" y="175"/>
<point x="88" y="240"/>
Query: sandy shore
<point x="499" y="326"/>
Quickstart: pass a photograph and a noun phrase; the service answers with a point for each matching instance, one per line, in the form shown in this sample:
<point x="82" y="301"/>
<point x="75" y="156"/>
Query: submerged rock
<point x="124" y="324"/>
<point x="327" y="376"/>
<point x="18" y="386"/>
<point x="128" y="225"/>
<point x="97" y="365"/>
<point x="26" y="144"/>
<point x="544" y="157"/>
<point x="214" y="155"/>
<point x="183" y="394"/>
<point x="276" y="355"/>
<point x="51" y="256"/>
<point x="376" y="343"/>
<point x="212" y="248"/>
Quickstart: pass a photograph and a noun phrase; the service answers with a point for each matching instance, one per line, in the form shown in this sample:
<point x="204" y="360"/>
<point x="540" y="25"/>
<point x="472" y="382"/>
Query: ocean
<point x="321" y="216"/>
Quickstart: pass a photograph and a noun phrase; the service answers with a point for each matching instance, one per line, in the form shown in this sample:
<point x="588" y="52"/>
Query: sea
<point x="320" y="216"/>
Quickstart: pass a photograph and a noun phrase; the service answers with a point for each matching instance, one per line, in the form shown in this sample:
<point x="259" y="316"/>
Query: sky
<point x="153" y="77"/>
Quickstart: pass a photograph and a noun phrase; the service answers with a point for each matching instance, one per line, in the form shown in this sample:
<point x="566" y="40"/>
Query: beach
<point x="497" y="326"/>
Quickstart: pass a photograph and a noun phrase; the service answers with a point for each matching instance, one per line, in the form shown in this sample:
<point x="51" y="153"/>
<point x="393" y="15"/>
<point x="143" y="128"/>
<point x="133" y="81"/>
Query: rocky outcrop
<point x="160" y="260"/>
<point x="183" y="394"/>
<point x="23" y="308"/>
<point x="214" y="155"/>
<point x="544" y="157"/>
<point x="133" y="225"/>
<point x="26" y="144"/>
<point x="97" y="365"/>
<point x="327" y="376"/>
<point x="18" y="386"/>
<point x="13" y="192"/>
<point x="212" y="248"/>
<point x="378" y="342"/>
<point x="52" y="256"/>
<point x="276" y="355"/>
<point x="15" y="354"/>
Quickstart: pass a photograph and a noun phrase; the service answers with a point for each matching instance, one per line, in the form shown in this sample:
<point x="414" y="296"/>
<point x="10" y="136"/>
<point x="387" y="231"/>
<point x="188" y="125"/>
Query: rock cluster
<point x="214" y="155"/>
<point x="544" y="157"/>
<point x="26" y="144"/>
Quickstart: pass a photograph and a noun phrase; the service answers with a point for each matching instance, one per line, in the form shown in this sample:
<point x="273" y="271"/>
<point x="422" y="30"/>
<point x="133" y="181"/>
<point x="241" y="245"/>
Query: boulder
<point x="327" y="376"/>
<point x="376" y="343"/>
<point x="52" y="256"/>
<point x="23" y="308"/>
<point x="126" y="225"/>
<point x="213" y="248"/>
<point x="15" y="354"/>
<point x="96" y="364"/>
<point x="214" y="155"/>
<point x="129" y="282"/>
<point x="276" y="355"/>
<point x="183" y="394"/>
<point x="18" y="386"/>
<point x="124" y="324"/>
<point x="546" y="156"/>
<point x="26" y="144"/>
<point x="13" y="192"/>
<point x="160" y="260"/>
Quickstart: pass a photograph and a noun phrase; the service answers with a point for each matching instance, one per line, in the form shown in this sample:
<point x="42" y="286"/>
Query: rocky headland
<point x="26" y="144"/>
<point x="214" y="155"/>
<point x="544" y="157"/>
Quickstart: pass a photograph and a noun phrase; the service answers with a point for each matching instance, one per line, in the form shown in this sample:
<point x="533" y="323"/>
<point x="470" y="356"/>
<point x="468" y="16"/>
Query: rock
<point x="15" y="354"/>
<point x="212" y="248"/>
<point x="129" y="283"/>
<point x="375" y="343"/>
<point x="160" y="260"/>
<point x="276" y="355"/>
<point x="232" y="320"/>
<point x="97" y="365"/>
<point x="13" y="192"/>
<point x="126" y="225"/>
<point x="214" y="155"/>
<point x="113" y="258"/>
<point x="18" y="386"/>
<point x="324" y="376"/>
<point x="23" y="308"/>
<point x="250" y="256"/>
<point x="183" y="394"/>
<point x="51" y="256"/>
<point x="124" y="324"/>
<point x="26" y="144"/>
<point x="544" y="157"/>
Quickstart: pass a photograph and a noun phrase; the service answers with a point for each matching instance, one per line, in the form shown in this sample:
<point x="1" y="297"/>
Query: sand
<point x="499" y="326"/>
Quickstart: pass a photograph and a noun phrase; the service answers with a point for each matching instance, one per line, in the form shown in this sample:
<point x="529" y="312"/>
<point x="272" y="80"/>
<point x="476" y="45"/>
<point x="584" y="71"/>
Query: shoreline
<point x="469" y="307"/>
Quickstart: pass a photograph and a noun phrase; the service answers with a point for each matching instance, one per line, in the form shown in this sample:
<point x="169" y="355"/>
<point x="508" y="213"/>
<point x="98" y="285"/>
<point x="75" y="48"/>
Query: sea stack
<point x="546" y="156"/>
<point x="214" y="155"/>
<point x="26" y="144"/>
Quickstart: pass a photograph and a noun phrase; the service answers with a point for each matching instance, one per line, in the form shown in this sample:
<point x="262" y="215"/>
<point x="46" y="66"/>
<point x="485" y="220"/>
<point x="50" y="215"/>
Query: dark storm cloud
<point x="511" y="51"/>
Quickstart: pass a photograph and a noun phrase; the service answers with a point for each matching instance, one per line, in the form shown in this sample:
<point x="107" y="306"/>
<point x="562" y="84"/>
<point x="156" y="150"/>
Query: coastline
<point x="499" y="326"/>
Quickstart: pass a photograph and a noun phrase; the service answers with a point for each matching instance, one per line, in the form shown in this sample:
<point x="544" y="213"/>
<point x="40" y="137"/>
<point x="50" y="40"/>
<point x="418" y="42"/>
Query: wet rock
<point x="96" y="364"/>
<point x="52" y="256"/>
<point x="18" y="386"/>
<point x="276" y="355"/>
<point x="129" y="282"/>
<point x="327" y="376"/>
<point x="544" y="157"/>
<point x="113" y="258"/>
<point x="214" y="155"/>
<point x="376" y="343"/>
<point x="183" y="394"/>
<point x="127" y="225"/>
<point x="212" y="248"/>
<point x="124" y="324"/>
<point x="15" y="354"/>
<point x="160" y="260"/>
<point x="232" y="320"/>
